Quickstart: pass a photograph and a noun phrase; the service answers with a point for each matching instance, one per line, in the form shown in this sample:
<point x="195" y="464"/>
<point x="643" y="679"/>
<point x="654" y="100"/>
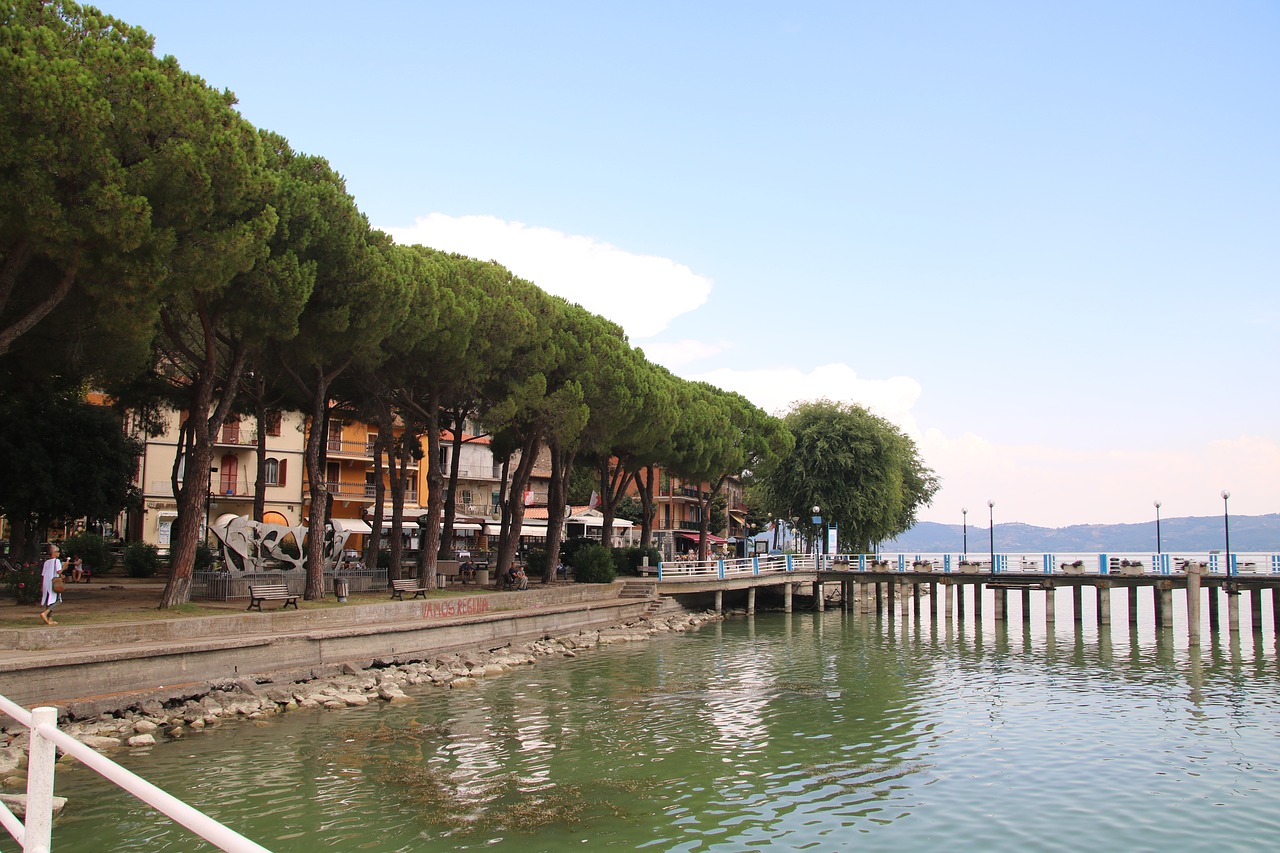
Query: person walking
<point x="49" y="598"/>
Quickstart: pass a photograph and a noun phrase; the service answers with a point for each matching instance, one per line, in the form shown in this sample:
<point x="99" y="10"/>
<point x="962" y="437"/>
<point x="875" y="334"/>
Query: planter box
<point x="922" y="567"/>
<point x="1072" y="570"/>
<point x="1135" y="569"/>
<point x="970" y="568"/>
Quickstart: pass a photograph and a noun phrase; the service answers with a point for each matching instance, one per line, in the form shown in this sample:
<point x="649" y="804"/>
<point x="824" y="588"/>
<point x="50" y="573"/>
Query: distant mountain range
<point x="1192" y="534"/>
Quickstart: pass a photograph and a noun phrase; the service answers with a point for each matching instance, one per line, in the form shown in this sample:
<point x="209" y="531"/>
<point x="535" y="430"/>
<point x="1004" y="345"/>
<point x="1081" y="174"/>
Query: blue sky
<point x="1043" y="239"/>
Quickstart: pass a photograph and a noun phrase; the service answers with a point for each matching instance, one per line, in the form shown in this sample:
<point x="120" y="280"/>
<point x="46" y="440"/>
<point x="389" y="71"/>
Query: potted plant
<point x="1133" y="567"/>
<point x="922" y="565"/>
<point x="1073" y="568"/>
<point x="879" y="564"/>
<point x="970" y="567"/>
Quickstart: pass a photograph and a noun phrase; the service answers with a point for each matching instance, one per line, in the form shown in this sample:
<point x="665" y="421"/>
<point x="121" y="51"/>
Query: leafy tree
<point x="864" y="473"/>
<point x="360" y="299"/>
<point x="94" y="144"/>
<point x="60" y="458"/>
<point x="722" y="434"/>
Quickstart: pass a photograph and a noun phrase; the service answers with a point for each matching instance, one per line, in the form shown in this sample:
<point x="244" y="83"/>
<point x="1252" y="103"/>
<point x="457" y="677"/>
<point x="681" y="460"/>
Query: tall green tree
<point x="61" y="458"/>
<point x="360" y="301"/>
<point x="865" y="474"/>
<point x="722" y="434"/>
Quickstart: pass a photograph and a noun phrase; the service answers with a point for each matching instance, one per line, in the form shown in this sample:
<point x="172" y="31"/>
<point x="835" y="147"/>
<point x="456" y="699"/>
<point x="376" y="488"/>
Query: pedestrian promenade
<point x="82" y="660"/>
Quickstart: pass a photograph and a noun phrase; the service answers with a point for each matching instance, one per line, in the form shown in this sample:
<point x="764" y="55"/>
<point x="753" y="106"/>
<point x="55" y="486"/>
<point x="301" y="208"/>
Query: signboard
<point x="832" y="539"/>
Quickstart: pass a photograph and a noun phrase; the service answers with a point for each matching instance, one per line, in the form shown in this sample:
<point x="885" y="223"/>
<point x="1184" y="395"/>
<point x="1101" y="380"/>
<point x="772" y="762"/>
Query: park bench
<point x="399" y="588"/>
<point x="259" y="593"/>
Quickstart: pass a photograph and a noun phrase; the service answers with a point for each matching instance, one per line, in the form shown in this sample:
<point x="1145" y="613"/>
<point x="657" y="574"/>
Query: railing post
<point x="1047" y="562"/>
<point x="790" y="568"/>
<point x="40" y="764"/>
<point x="1104" y="565"/>
<point x="720" y="569"/>
<point x="755" y="567"/>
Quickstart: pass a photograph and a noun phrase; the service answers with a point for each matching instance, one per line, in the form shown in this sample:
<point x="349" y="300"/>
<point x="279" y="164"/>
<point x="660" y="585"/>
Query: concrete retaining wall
<point x="96" y="660"/>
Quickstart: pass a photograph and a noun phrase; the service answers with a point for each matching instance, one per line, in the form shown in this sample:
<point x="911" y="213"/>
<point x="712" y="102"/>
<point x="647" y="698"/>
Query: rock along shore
<point x="143" y="719"/>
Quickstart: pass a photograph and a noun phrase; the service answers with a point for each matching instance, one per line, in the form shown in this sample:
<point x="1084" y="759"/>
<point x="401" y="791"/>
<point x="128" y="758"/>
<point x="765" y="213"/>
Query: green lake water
<point x="810" y="731"/>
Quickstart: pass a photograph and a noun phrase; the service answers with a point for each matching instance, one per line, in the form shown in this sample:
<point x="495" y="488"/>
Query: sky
<point x="1042" y="239"/>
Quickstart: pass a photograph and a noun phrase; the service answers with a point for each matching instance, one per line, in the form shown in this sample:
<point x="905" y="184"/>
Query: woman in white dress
<point x="48" y="598"/>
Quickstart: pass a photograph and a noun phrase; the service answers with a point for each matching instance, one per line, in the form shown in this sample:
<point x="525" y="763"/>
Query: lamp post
<point x="1157" y="505"/>
<point x="208" y="503"/>
<point x="817" y="535"/>
<point x="991" y="532"/>
<point x="964" y="513"/>
<point x="1226" y="529"/>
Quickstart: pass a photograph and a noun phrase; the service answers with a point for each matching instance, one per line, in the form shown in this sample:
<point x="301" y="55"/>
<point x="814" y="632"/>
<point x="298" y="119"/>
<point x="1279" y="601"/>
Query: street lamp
<point x="208" y="503"/>
<point x="1226" y="528"/>
<point x="964" y="513"/>
<point x="817" y="534"/>
<point x="991" y="532"/>
<point x="1157" y="505"/>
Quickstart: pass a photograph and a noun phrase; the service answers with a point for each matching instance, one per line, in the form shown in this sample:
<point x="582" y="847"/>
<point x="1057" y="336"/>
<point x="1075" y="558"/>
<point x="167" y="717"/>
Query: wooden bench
<point x="259" y="593"/>
<point x="399" y="588"/>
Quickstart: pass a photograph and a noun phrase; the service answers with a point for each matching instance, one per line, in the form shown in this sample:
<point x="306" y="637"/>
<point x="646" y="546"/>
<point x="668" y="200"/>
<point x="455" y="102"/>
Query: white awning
<point x="465" y="525"/>
<point x="350" y="525"/>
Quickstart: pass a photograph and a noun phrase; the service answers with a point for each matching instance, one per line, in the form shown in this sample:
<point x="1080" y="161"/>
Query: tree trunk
<point x="399" y="477"/>
<point x="513" y="515"/>
<point x="435" y="496"/>
<point x="373" y="545"/>
<point x="645" y="488"/>
<point x="561" y="469"/>
<point x="319" y="489"/>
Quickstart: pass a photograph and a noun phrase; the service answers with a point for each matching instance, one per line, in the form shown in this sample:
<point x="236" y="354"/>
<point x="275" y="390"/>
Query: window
<point x="466" y="497"/>
<point x="273" y="420"/>
<point x="332" y="475"/>
<point x="227" y="471"/>
<point x="370" y="441"/>
<point x="335" y="435"/>
<point x="273" y="471"/>
<point x="231" y="430"/>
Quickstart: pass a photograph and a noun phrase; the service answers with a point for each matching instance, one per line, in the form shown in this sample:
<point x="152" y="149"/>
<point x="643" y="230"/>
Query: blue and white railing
<point x="36" y="834"/>
<point x="1048" y="563"/>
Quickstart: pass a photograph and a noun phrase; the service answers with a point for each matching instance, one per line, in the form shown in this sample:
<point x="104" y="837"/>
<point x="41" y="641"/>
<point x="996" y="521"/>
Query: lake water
<point x="809" y="731"/>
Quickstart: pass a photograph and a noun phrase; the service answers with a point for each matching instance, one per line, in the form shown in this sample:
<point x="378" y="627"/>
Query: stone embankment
<point x="144" y="719"/>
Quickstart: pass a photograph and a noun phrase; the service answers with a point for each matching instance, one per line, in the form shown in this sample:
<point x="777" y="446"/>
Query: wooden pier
<point x="906" y="585"/>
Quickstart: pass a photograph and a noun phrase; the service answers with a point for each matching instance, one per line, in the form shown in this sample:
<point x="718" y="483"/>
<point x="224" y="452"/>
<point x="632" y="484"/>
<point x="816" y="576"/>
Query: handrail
<point x="36" y="835"/>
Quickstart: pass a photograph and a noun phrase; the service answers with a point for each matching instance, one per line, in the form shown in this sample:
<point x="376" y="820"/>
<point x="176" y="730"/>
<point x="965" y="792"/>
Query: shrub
<point x="593" y="563"/>
<point x="141" y="560"/>
<point x="92" y="549"/>
<point x="629" y="560"/>
<point x="24" y="582"/>
<point x="204" y="557"/>
<point x="384" y="559"/>
<point x="535" y="563"/>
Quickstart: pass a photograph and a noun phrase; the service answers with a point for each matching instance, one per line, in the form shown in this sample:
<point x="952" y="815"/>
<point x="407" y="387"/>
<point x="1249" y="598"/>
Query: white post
<point x="40" y="761"/>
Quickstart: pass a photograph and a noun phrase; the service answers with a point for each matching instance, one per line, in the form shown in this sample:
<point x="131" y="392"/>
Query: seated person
<point x="515" y="578"/>
<point x="562" y="571"/>
<point x="78" y="570"/>
<point x="467" y="571"/>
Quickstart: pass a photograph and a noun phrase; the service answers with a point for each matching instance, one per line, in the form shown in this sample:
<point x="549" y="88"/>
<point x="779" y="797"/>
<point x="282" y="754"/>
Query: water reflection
<point x="802" y="731"/>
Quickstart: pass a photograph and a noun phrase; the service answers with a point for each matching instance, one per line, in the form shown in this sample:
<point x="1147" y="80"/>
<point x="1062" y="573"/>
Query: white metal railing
<point x="1091" y="563"/>
<point x="36" y="834"/>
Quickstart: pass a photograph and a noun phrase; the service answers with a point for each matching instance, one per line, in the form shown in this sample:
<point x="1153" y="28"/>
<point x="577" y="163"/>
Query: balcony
<point x="233" y="436"/>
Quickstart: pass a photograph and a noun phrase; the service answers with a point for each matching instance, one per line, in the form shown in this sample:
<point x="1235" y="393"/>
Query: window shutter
<point x="280" y="478"/>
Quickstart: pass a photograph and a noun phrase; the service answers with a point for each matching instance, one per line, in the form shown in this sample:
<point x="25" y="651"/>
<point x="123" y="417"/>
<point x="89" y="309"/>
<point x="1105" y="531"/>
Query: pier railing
<point x="35" y="832"/>
<point x="1048" y="563"/>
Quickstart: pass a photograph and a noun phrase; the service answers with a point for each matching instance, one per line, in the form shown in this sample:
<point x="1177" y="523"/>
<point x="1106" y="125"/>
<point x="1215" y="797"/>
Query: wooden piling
<point x="1255" y="610"/>
<point x="751" y="600"/>
<point x="1050" y="606"/>
<point x="1077" y="604"/>
<point x="819" y="599"/>
<point x="1214" y="621"/>
<point x="787" y="591"/>
<point x="1104" y="603"/>
<point x="1193" y="605"/>
<point x="1133" y="605"/>
<point x="1001" y="599"/>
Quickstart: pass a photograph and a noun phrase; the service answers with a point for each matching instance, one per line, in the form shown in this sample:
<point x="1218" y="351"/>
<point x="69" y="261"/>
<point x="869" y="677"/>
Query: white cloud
<point x="642" y="293"/>
<point x="775" y="389"/>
